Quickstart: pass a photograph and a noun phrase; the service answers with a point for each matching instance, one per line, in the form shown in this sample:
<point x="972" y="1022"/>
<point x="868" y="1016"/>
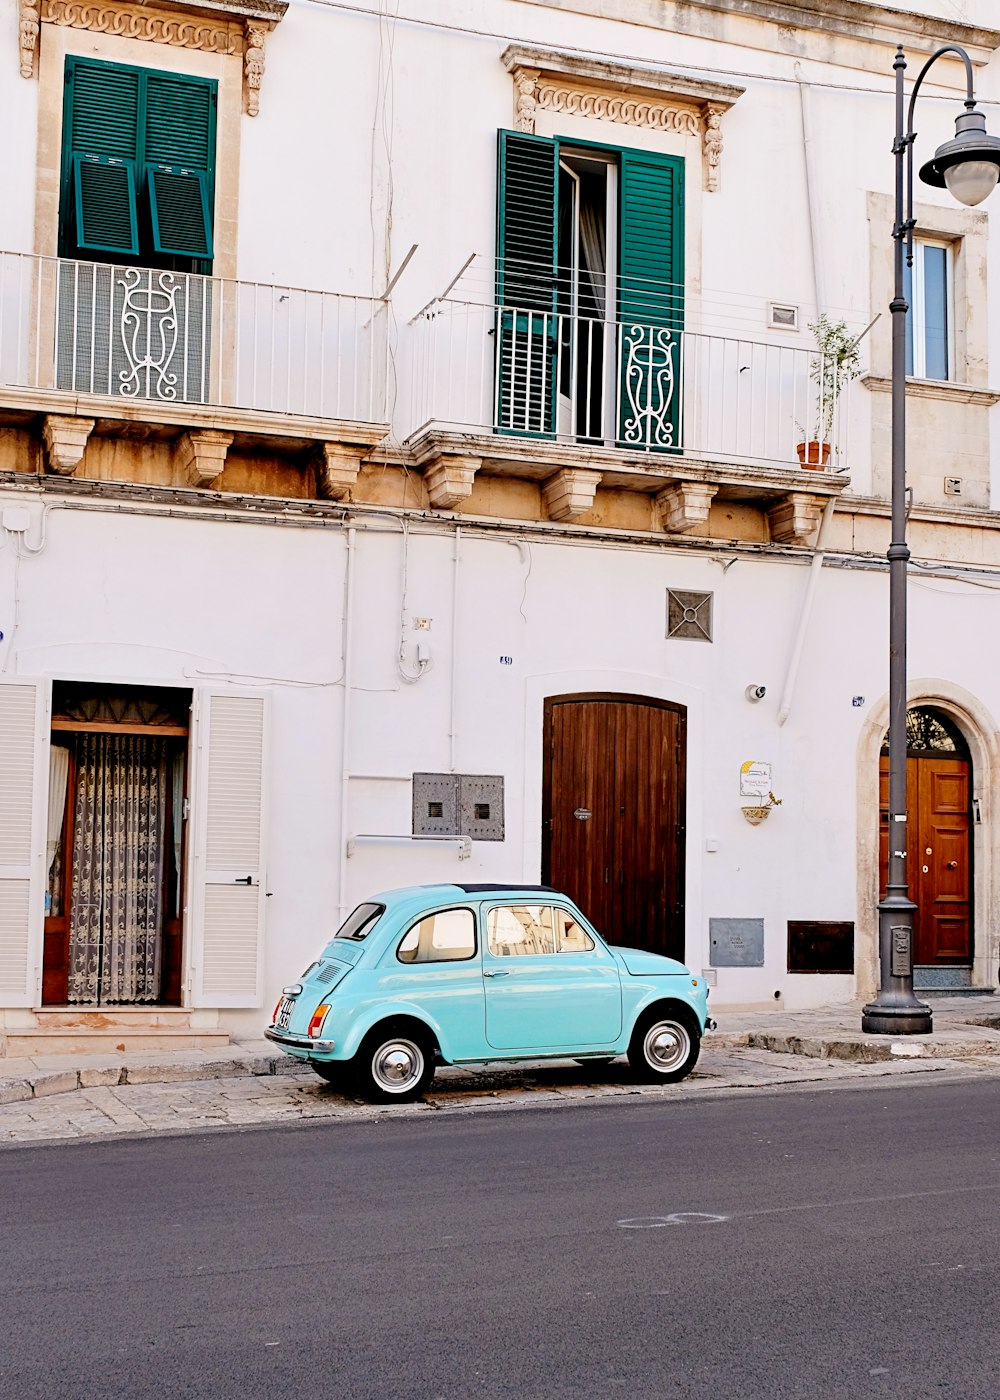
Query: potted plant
<point x="837" y="360"/>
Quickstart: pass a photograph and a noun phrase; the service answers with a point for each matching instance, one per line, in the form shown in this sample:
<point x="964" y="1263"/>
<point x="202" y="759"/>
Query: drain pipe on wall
<point x="345" y="733"/>
<point x="805" y="615"/>
<point x="812" y="191"/>
<point x="819" y="292"/>
<point x="453" y="701"/>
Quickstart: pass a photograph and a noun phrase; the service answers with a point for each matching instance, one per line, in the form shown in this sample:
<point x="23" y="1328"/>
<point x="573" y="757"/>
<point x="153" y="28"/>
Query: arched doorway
<point x="613" y="814"/>
<point x="939" y="848"/>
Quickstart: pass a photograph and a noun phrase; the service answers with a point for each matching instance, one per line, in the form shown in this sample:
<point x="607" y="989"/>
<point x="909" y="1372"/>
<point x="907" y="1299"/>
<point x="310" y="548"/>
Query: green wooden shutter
<point x="104" y="200"/>
<point x="180" y="122"/>
<point x="650" y="299"/>
<point x="179" y="150"/>
<point x="101" y="137"/>
<point x="526" y="284"/>
<point x="178" y="206"/>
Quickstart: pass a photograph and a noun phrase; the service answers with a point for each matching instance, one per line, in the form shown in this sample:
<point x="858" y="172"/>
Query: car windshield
<point x="360" y="924"/>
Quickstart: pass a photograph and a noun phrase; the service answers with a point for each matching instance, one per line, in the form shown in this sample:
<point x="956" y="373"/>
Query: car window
<point x="447" y="936"/>
<point x="520" y="930"/>
<point x="360" y="924"/>
<point x="570" y="937"/>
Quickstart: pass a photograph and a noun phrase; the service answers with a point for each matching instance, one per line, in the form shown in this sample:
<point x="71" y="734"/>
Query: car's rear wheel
<point x="333" y="1071"/>
<point x="394" y="1064"/>
<point x="664" y="1046"/>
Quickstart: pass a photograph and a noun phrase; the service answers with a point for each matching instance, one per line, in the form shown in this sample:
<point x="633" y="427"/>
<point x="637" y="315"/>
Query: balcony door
<point x="113" y="907"/>
<point x="590" y="293"/>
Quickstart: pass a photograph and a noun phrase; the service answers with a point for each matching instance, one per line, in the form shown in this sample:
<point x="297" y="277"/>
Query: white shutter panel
<point x="231" y="812"/>
<point x="21" y="845"/>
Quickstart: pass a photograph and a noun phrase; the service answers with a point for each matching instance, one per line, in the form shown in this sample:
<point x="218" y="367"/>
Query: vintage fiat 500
<point x="463" y="974"/>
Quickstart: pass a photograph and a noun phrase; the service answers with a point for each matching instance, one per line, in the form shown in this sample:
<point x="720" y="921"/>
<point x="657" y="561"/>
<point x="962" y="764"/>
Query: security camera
<point x="755" y="693"/>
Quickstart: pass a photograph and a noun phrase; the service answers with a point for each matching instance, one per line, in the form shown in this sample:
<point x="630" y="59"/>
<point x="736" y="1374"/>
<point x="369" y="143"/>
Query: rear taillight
<point x="277" y="1008"/>
<point x="317" y="1019"/>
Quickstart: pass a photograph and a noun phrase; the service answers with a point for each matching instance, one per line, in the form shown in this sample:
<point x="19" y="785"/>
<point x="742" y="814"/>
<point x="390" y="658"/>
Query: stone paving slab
<point x="965" y="1029"/>
<point x="185" y="1106"/>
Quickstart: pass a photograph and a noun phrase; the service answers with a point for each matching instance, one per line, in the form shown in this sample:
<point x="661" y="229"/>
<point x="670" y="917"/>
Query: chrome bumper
<point x="300" y="1042"/>
<point x="711" y="1025"/>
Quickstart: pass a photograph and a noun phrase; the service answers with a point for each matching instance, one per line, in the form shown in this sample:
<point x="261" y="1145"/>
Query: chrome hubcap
<point x="397" y="1066"/>
<point x="666" y="1045"/>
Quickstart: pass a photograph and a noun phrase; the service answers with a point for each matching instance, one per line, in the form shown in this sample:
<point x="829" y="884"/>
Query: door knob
<point x="953" y="865"/>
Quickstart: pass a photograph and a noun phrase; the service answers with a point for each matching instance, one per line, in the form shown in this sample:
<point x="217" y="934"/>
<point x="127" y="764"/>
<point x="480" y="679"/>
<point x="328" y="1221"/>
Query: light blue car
<point x="465" y="974"/>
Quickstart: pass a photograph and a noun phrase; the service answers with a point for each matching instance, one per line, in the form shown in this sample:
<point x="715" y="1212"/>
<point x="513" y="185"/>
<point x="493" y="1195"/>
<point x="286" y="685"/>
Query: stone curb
<point x="47" y="1082"/>
<point x="871" y="1050"/>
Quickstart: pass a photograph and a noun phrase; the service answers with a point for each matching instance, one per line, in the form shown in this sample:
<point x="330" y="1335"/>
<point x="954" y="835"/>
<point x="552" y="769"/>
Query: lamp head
<point x="970" y="164"/>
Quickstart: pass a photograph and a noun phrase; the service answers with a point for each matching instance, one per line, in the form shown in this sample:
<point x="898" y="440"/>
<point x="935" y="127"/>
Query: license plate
<point x="284" y="1012"/>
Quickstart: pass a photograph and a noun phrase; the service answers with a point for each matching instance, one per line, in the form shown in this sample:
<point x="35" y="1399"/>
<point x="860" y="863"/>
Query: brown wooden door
<point x="613" y="815"/>
<point x="938" y="857"/>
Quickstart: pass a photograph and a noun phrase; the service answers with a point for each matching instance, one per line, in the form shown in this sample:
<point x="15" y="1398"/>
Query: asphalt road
<point x="838" y="1243"/>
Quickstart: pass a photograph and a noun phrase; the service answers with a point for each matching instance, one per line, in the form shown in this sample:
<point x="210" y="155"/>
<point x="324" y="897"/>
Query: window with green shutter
<point x="138" y="166"/>
<point x="590" y="292"/>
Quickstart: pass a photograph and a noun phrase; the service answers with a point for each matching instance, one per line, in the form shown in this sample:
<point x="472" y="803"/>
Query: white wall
<point x="260" y="604"/>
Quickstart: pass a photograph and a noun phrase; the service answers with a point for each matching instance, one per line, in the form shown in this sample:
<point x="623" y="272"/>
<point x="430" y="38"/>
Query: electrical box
<point x="736" y="942"/>
<point x="435" y="804"/>
<point x="480" y="807"/>
<point x="458" y="804"/>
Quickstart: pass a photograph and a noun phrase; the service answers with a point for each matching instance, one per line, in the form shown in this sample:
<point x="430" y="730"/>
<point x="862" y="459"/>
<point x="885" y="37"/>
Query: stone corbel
<point x="201" y="456"/>
<point x="570" y="493"/>
<point x="525" y="98"/>
<point x="253" y="66"/>
<point x="65" y="440"/>
<point x="337" y="470"/>
<point x="711" y="144"/>
<point x="27" y="38"/>
<point x="449" y="480"/>
<point x="684" y="506"/>
<point x="794" y="519"/>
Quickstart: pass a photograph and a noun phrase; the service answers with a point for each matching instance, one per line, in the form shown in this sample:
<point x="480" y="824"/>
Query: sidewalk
<point x="965" y="1028"/>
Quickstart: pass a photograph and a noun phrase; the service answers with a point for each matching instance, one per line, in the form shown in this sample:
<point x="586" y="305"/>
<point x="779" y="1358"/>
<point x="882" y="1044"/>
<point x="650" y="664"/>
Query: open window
<point x="590" y="296"/>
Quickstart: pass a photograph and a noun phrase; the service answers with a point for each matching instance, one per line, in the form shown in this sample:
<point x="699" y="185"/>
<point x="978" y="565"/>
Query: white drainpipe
<point x="806" y="614"/>
<point x="345" y="733"/>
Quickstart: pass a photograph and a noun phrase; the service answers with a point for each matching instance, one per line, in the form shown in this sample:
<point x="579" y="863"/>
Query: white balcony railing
<point x="141" y="334"/>
<point x="621" y="384"/>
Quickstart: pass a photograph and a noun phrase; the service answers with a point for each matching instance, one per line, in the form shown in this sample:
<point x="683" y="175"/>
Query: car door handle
<point x="498" y="973"/>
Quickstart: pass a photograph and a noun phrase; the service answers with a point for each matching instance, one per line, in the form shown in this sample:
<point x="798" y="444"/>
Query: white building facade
<point x="400" y="482"/>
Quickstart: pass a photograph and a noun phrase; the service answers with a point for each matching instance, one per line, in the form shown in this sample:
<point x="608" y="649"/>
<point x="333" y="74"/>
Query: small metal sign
<point x="583" y="814"/>
<point x="901" y="962"/>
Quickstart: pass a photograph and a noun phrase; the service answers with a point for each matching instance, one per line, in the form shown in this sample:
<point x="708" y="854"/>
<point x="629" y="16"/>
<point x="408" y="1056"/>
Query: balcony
<point x="686" y="416"/>
<point x="94" y="348"/>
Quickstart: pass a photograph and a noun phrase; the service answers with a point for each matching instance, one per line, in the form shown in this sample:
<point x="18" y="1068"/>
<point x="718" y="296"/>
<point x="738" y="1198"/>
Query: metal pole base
<point x="916" y="1019"/>
<point x="896" y="1011"/>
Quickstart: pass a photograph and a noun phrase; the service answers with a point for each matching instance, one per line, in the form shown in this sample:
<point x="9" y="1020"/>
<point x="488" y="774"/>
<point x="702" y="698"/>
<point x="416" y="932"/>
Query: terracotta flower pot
<point x="813" y="455"/>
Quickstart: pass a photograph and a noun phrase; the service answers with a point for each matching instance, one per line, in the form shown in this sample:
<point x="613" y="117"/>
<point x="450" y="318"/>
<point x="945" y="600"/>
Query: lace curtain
<point x="118" y="852"/>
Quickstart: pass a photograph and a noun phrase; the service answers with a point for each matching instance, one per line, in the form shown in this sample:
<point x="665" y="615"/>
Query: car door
<point x="550" y="983"/>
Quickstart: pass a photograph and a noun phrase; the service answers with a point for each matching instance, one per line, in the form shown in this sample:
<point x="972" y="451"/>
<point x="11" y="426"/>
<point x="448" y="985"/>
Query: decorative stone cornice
<point x="947" y="390"/>
<point x="228" y="27"/>
<point x="650" y="97"/>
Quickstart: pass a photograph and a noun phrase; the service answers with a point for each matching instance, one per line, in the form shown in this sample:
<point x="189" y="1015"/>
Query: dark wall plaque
<point x="820" y="945"/>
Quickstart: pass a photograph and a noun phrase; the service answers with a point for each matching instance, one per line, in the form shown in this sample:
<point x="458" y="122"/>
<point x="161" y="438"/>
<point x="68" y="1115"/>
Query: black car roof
<point x="491" y="889"/>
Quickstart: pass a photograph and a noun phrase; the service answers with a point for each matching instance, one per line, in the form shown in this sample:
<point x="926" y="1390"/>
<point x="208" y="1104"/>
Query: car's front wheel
<point x="664" y="1046"/>
<point x="394" y="1064"/>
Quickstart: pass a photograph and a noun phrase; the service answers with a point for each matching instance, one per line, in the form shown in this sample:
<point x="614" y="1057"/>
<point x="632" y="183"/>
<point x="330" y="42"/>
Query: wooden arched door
<point x="939" y="854"/>
<point x="613" y="814"/>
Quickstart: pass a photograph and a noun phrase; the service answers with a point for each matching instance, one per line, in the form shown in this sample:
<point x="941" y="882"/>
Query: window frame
<point x="149" y="255"/>
<point x="916" y="320"/>
<point x="433" y="914"/>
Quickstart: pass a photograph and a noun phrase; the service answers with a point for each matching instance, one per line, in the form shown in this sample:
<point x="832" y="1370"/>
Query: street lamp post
<point x="969" y="165"/>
